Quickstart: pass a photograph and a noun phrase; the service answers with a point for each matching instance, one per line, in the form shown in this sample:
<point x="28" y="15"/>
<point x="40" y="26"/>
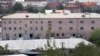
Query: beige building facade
<point x="62" y="25"/>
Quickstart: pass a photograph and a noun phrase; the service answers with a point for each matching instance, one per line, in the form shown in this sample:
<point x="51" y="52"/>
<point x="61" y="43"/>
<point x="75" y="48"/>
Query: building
<point x="77" y="6"/>
<point x="34" y="3"/>
<point x="62" y="25"/>
<point x="6" y="4"/>
<point x="74" y="7"/>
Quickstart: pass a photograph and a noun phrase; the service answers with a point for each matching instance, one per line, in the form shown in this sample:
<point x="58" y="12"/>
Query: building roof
<point x="15" y="55"/>
<point x="89" y="3"/>
<point x="51" y="15"/>
<point x="69" y="43"/>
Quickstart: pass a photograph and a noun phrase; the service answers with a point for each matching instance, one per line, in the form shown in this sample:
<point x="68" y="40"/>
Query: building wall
<point x="60" y="27"/>
<point x="6" y="4"/>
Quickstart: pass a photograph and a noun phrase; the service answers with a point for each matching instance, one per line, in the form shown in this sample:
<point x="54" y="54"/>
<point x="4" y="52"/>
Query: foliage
<point x="32" y="9"/>
<point x="95" y="37"/>
<point x="51" y="49"/>
<point x="85" y="50"/>
<point x="17" y="7"/>
<point x="60" y="7"/>
<point x="4" y="11"/>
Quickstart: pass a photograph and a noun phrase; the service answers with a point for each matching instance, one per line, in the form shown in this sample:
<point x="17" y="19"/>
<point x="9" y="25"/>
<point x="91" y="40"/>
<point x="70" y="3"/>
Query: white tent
<point x="69" y="43"/>
<point x="15" y="55"/>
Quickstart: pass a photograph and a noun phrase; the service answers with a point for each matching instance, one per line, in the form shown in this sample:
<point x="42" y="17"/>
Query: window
<point x="9" y="28"/>
<point x="14" y="34"/>
<point x="20" y="35"/>
<point x="57" y="34"/>
<point x="31" y="35"/>
<point x="60" y="28"/>
<point x="20" y="28"/>
<point x="81" y="28"/>
<point x="30" y="22"/>
<point x="4" y="28"/>
<point x="49" y="21"/>
<point x="36" y="28"/>
<point x="9" y="22"/>
<point x="71" y="28"/>
<point x="60" y="22"/>
<point x="41" y="21"/>
<point x="70" y="21"/>
<point x="30" y="28"/>
<point x="92" y="22"/>
<point x="92" y="28"/>
<point x="25" y="25"/>
<point x="41" y="28"/>
<point x="63" y="34"/>
<point x="81" y="21"/>
<point x="14" y="28"/>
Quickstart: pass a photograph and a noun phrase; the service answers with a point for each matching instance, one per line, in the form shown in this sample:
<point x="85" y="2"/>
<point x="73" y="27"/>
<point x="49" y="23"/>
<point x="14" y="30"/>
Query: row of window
<point x="60" y="28"/>
<point x="60" y="22"/>
<point x="31" y="35"/>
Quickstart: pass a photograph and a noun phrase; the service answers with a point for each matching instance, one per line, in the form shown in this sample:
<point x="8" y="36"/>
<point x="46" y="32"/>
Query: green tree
<point x="32" y="10"/>
<point x="17" y="7"/>
<point x="95" y="37"/>
<point x="85" y="50"/>
<point x="60" y="7"/>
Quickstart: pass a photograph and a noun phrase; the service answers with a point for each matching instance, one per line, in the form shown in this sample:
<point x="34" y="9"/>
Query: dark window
<point x="20" y="35"/>
<point x="49" y="21"/>
<point x="57" y="34"/>
<point x="20" y="28"/>
<point x="81" y="28"/>
<point x="41" y="21"/>
<point x="63" y="34"/>
<point x="92" y="28"/>
<point x="81" y="21"/>
<point x="14" y="34"/>
<point x="92" y="22"/>
<point x="30" y="22"/>
<point x="9" y="28"/>
<point x="36" y="28"/>
<point x="14" y="28"/>
<point x="41" y="28"/>
<point x="60" y="22"/>
<point x="31" y="35"/>
<point x="9" y="22"/>
<point x="4" y="28"/>
<point x="25" y="25"/>
<point x="70" y="21"/>
<point x="73" y="35"/>
<point x="60" y="28"/>
<point x="71" y="28"/>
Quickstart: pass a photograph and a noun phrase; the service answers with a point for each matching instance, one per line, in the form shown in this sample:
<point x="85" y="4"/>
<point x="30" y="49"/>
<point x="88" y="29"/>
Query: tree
<point x="95" y="37"/>
<point x="17" y="7"/>
<point x="32" y="9"/>
<point x="60" y="7"/>
<point x="85" y="50"/>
